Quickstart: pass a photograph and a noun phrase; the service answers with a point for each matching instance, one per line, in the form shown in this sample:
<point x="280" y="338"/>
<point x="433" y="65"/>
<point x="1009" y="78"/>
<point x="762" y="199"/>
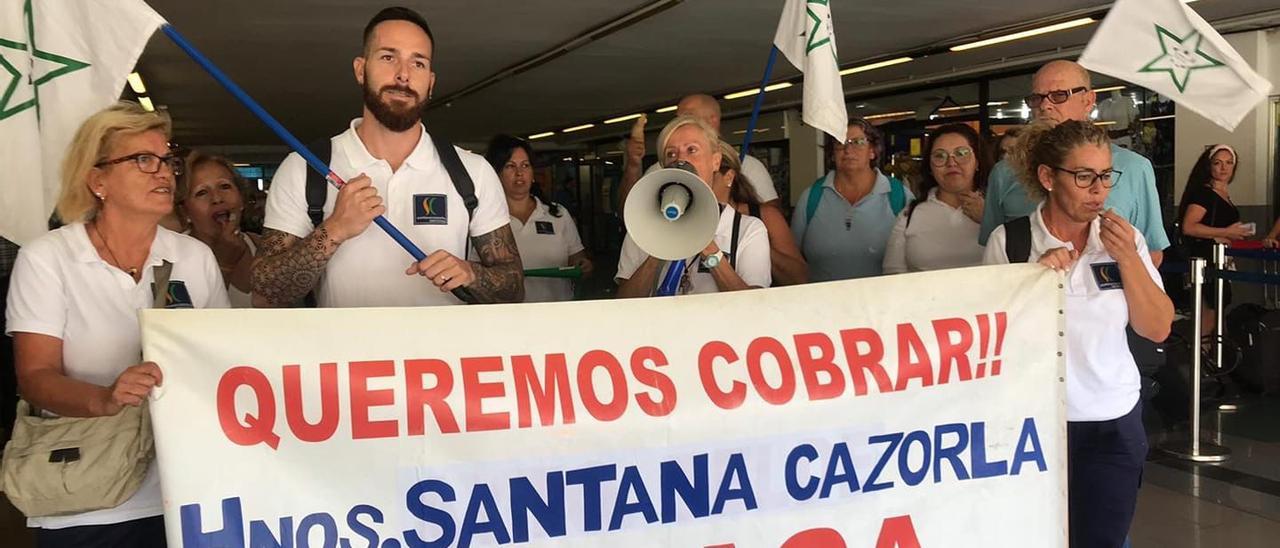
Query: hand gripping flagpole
<point x="312" y="160"/>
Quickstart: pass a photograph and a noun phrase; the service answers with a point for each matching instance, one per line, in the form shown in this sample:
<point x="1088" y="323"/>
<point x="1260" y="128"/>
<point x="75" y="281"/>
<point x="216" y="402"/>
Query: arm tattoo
<point x="287" y="268"/>
<point x="499" y="277"/>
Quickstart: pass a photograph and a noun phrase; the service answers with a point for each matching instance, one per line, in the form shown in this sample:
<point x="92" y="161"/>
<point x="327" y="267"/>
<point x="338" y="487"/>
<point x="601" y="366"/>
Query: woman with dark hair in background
<point x="545" y="233"/>
<point x="940" y="228"/>
<point x="1208" y="215"/>
<point x="787" y="263"/>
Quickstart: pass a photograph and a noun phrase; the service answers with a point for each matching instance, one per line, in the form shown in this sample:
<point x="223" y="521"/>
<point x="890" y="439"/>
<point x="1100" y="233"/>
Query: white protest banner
<point x="886" y="412"/>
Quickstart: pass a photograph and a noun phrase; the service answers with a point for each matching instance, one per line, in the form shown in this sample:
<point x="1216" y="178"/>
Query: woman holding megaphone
<point x="726" y="263"/>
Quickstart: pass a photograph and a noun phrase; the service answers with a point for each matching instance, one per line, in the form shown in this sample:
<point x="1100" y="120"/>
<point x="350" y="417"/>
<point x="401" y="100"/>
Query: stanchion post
<point x="1220" y="265"/>
<point x="1192" y="449"/>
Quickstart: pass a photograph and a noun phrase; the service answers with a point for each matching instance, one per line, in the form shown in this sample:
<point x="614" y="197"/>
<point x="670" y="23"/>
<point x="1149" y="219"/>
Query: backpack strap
<point x="317" y="185"/>
<point x="815" y="197"/>
<point x="811" y="208"/>
<point x="733" y="240"/>
<point x="1017" y="240"/>
<point x="458" y="174"/>
<point x="897" y="195"/>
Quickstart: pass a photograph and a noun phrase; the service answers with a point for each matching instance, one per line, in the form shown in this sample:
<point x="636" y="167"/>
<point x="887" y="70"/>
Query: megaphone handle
<point x="671" y="283"/>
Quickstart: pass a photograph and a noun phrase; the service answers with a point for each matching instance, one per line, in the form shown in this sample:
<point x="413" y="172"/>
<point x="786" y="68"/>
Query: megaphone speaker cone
<point x="671" y="214"/>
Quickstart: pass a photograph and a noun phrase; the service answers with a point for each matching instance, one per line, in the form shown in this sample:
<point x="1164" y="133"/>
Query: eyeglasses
<point x="1085" y="178"/>
<point x="854" y="142"/>
<point x="147" y="162"/>
<point x="939" y="157"/>
<point x="1057" y="96"/>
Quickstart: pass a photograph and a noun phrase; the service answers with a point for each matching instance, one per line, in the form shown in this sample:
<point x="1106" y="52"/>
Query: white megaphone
<point x="671" y="214"/>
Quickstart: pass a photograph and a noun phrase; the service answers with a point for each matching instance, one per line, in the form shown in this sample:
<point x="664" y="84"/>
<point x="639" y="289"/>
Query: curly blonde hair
<point x="1044" y="143"/>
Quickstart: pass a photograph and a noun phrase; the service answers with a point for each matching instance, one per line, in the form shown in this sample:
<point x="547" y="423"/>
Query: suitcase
<point x="1257" y="331"/>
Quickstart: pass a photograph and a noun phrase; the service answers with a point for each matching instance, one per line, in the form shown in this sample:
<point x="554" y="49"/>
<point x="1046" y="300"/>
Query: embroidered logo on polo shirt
<point x="1107" y="275"/>
<point x="176" y="295"/>
<point x="544" y="227"/>
<point x="430" y="209"/>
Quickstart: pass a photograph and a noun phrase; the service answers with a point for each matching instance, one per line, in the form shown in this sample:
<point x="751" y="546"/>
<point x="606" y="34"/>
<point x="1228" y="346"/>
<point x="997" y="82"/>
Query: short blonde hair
<point x="195" y="159"/>
<point x="713" y="136"/>
<point x="90" y="145"/>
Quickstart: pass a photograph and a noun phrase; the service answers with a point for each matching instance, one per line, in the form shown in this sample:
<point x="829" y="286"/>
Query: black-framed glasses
<point x="940" y="156"/>
<point x="1057" y="96"/>
<point x="147" y="162"/>
<point x="1085" y="178"/>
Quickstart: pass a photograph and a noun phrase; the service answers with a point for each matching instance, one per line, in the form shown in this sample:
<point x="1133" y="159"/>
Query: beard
<point x="393" y="117"/>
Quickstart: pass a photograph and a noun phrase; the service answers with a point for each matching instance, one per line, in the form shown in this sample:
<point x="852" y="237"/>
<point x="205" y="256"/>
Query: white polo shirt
<point x="546" y="241"/>
<point x="755" y="173"/>
<point x="753" y="264"/>
<point x="937" y="237"/>
<point x="368" y="270"/>
<point x="62" y="288"/>
<point x="1102" y="378"/>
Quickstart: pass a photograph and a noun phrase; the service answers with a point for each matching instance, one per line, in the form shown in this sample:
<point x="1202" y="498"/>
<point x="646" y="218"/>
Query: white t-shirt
<point x="752" y="265"/>
<point x="62" y="288"/>
<point x="938" y="237"/>
<point x="756" y="174"/>
<point x="1102" y="378"/>
<point x="368" y="270"/>
<point x="546" y="241"/>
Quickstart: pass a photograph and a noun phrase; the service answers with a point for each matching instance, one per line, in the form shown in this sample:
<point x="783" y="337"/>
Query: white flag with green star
<point x="807" y="38"/>
<point x="60" y="61"/>
<point x="1165" y="46"/>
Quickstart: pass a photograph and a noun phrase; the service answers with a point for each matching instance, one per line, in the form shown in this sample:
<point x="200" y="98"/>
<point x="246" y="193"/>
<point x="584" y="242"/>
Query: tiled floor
<point x="1233" y="504"/>
<point x="1169" y="519"/>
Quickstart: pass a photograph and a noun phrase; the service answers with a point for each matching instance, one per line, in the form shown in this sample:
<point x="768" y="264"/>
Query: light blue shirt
<point x="1134" y="198"/>
<point x="845" y="240"/>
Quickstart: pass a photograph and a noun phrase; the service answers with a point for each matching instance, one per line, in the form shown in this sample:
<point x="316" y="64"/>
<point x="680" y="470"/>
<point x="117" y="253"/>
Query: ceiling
<point x="295" y="59"/>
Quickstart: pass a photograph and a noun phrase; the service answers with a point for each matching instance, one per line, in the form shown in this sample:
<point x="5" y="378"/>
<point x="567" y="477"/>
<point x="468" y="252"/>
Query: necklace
<point x="133" y="271"/>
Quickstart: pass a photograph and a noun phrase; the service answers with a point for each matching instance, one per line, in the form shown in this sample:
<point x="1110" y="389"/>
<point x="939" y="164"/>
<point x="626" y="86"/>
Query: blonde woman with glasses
<point x="76" y="292"/>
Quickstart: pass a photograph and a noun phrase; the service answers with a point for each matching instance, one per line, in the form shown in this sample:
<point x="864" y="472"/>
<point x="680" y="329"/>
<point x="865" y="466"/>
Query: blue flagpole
<point x="312" y="160"/>
<point x="755" y="109"/>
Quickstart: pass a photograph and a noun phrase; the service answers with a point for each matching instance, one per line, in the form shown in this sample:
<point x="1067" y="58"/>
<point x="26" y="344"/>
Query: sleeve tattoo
<point x="499" y="277"/>
<point x="287" y="267"/>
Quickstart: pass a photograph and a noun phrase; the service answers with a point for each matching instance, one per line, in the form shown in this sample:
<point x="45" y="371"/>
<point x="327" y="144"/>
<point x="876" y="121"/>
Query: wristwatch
<point x="710" y="262"/>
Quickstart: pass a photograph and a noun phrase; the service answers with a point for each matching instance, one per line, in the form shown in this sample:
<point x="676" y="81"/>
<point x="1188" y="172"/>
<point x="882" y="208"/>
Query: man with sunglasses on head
<point x="1061" y="91"/>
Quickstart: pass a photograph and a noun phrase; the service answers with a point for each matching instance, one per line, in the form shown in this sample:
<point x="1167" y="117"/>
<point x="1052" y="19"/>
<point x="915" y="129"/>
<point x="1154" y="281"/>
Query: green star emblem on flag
<point x="814" y="38"/>
<point x="66" y="65"/>
<point x="1179" y="57"/>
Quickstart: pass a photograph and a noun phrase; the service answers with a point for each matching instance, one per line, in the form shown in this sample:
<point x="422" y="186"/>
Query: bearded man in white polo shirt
<point x="392" y="168"/>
